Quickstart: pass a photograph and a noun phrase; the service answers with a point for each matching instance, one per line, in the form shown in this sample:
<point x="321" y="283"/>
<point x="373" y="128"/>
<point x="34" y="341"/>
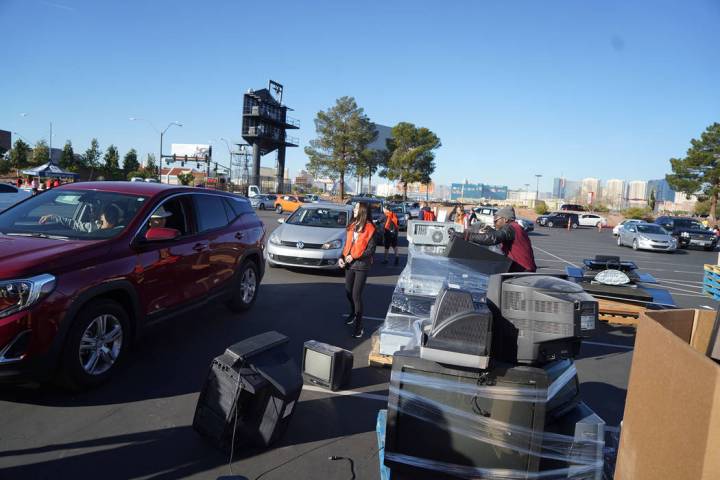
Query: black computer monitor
<point x="451" y="417"/>
<point x="252" y="389"/>
<point x="539" y="318"/>
<point x="326" y="365"/>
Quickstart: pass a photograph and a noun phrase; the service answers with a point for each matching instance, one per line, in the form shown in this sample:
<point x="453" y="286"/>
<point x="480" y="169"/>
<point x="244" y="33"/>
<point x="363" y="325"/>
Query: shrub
<point x="639" y="213"/>
<point x="541" y="208"/>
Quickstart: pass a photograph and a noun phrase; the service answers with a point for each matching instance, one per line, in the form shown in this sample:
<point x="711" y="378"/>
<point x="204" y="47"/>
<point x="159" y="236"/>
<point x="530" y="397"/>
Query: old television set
<point x="464" y="410"/>
<point x="326" y="365"/>
<point x="251" y="389"/>
<point x="461" y="331"/>
<point x="539" y="318"/>
<point x="479" y="257"/>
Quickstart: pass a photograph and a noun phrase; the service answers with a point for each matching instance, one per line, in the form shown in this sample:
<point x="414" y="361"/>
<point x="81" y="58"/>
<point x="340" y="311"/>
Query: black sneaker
<point x="350" y="319"/>
<point x="397" y="261"/>
<point x="358" y="333"/>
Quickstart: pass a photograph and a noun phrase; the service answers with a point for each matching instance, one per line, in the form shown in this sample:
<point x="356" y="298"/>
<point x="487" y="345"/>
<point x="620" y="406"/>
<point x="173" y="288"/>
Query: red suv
<point x="86" y="267"/>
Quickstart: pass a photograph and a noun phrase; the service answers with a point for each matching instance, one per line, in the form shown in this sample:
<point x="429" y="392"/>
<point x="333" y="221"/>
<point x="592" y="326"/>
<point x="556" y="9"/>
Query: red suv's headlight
<point x="16" y="295"/>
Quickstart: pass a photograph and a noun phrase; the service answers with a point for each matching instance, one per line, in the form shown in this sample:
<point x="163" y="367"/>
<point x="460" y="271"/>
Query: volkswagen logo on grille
<point x="300" y="245"/>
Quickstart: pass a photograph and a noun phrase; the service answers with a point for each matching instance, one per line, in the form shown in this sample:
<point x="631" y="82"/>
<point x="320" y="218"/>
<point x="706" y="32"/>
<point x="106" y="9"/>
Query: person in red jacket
<point x="426" y="213"/>
<point x="390" y="234"/>
<point x="511" y="237"/>
<point x="357" y="257"/>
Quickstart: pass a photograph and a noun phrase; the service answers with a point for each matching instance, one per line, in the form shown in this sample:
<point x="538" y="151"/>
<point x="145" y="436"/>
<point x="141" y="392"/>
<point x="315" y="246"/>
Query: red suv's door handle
<point x="198" y="247"/>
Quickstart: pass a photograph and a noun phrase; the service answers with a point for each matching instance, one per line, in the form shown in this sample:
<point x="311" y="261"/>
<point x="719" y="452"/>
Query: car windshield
<point x="71" y="214"/>
<point x="397" y="209"/>
<point x="319" y="217"/>
<point x="687" y="223"/>
<point x="652" y="229"/>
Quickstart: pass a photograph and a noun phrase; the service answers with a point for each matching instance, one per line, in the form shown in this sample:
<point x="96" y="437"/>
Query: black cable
<point x="290" y="460"/>
<point x="350" y="460"/>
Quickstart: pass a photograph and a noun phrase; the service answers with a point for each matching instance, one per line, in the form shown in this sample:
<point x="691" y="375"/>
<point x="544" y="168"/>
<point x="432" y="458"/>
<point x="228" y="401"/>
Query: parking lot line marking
<point x="680" y="289"/>
<point x="678" y="281"/>
<point x="555" y="256"/>
<point x="347" y="393"/>
<point x="613" y="345"/>
<point x="377" y="319"/>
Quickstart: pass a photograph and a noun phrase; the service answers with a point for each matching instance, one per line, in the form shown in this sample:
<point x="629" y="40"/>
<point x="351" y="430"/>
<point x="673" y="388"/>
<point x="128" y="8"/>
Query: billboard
<point x="468" y="191"/>
<point x="194" y="151"/>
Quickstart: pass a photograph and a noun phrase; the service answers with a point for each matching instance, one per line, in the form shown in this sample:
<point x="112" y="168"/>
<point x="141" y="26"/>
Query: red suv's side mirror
<point x="159" y="234"/>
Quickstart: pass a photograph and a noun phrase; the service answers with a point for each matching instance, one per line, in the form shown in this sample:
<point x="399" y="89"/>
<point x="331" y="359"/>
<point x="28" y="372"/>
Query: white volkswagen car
<point x="312" y="237"/>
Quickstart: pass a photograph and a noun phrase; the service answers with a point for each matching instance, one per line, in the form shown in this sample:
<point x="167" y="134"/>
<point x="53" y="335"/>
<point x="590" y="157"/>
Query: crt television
<point x="539" y="318"/>
<point x="455" y="418"/>
<point x="252" y="388"/>
<point x="326" y="365"/>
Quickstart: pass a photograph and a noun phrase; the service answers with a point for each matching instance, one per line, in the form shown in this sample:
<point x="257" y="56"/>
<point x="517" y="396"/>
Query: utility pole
<point x="537" y="186"/>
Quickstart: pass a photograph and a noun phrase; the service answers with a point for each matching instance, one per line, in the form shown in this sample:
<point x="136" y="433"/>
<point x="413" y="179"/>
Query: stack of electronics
<point x="494" y="385"/>
<point x="435" y="261"/>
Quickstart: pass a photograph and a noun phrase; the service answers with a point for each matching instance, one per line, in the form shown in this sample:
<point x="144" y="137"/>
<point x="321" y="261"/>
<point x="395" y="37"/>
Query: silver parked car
<point x="312" y="237"/>
<point x="263" y="202"/>
<point x="646" y="236"/>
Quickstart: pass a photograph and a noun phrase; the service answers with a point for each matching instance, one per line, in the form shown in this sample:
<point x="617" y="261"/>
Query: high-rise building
<point x="637" y="191"/>
<point x="662" y="189"/>
<point x="614" y="192"/>
<point x="565" y="189"/>
<point x="590" y="189"/>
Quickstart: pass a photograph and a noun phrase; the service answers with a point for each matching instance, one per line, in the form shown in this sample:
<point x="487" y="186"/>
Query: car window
<point x="652" y="229"/>
<point x="172" y="213"/>
<point x="319" y="217"/>
<point x="82" y="215"/>
<point x="238" y="206"/>
<point x="5" y="188"/>
<point x="210" y="212"/>
<point x="688" y="223"/>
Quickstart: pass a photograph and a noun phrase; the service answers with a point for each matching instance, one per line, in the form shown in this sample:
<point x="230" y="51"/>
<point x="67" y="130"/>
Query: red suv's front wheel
<point x="95" y="344"/>
<point x="245" y="290"/>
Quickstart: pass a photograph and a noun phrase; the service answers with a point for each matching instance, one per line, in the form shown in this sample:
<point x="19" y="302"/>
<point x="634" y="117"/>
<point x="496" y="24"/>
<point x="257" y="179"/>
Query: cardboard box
<point x="671" y="426"/>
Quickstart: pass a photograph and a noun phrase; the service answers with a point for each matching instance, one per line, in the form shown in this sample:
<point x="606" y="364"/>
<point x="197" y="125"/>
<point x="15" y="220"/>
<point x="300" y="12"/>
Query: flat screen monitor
<point x="326" y="365"/>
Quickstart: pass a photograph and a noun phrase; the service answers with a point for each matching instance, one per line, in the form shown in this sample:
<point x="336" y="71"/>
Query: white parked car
<point x="312" y="237"/>
<point x="619" y="226"/>
<point x="591" y="220"/>
<point x="646" y="236"/>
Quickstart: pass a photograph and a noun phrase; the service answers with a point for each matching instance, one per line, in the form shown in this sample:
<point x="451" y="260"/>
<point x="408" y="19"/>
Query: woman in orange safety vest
<point x="357" y="257"/>
<point x="390" y="234"/>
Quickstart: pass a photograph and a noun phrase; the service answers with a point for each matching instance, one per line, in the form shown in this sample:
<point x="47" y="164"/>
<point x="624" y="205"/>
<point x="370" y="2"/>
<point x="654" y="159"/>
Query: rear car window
<point x="238" y="206"/>
<point x="210" y="211"/>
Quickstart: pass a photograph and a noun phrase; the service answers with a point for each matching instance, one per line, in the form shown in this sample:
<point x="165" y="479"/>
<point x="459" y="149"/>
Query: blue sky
<point x="610" y="89"/>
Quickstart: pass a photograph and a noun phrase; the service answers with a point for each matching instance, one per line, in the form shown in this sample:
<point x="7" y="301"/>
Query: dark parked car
<point x="572" y="207"/>
<point x="688" y="232"/>
<point x="560" y="219"/>
<point x="86" y="267"/>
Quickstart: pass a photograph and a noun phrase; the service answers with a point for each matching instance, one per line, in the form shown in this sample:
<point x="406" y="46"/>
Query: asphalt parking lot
<point x="139" y="425"/>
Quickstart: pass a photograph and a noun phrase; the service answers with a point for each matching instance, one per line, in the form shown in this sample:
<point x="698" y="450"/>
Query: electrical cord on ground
<point x="350" y="461"/>
<point x="296" y="457"/>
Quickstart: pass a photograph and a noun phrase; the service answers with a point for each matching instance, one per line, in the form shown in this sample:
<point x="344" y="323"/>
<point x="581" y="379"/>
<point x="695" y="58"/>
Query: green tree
<point x="150" y="168"/>
<point x="343" y="134"/>
<point x="601" y="208"/>
<point x="186" y="178"/>
<point x="541" y="207"/>
<point x="699" y="170"/>
<point x="40" y="153"/>
<point x="19" y="155"/>
<point x="112" y="163"/>
<point x="67" y="158"/>
<point x="410" y="155"/>
<point x="91" y="157"/>
<point x="652" y="200"/>
<point x="130" y="162"/>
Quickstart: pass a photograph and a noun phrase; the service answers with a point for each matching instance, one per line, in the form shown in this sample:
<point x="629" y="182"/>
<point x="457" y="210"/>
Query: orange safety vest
<point x="357" y="248"/>
<point x="391" y="217"/>
<point x="429" y="216"/>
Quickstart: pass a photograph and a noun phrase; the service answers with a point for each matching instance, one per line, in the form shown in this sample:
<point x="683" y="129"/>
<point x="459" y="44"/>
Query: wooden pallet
<point x="621" y="313"/>
<point x="377" y="359"/>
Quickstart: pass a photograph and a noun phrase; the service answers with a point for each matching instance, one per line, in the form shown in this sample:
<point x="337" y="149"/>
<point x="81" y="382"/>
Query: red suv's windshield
<point x="73" y="214"/>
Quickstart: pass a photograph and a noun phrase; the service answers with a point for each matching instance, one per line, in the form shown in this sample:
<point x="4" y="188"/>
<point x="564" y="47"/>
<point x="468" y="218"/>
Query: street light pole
<point x="537" y="187"/>
<point x="162" y="133"/>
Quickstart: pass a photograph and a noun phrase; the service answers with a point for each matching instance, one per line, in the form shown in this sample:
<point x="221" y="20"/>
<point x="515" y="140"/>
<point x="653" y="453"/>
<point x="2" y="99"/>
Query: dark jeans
<point x="354" y="285"/>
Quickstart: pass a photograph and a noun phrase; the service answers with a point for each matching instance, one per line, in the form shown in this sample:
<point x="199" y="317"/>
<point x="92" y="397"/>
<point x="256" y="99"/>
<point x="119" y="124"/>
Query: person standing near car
<point x="390" y="234"/>
<point x="426" y="213"/>
<point x="511" y="237"/>
<point x="357" y="257"/>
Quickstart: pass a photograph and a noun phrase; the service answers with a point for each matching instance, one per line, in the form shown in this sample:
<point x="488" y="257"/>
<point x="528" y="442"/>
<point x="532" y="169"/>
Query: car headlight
<point x="684" y="234"/>
<point x="333" y="245"/>
<point x="17" y="295"/>
<point x="275" y="239"/>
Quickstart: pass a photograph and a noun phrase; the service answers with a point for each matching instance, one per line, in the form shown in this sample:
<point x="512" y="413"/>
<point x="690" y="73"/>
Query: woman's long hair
<point x="358" y="222"/>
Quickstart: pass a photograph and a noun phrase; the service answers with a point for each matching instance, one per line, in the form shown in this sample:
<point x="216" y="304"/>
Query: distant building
<point x="304" y="179"/>
<point x="477" y="192"/>
<point x="565" y="189"/>
<point x="662" y="189"/>
<point x="521" y="196"/>
<point x="590" y="190"/>
<point x="637" y="191"/>
<point x="614" y="193"/>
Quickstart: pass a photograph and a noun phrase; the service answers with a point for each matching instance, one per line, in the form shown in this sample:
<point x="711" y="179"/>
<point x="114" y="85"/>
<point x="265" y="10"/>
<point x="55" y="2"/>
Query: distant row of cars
<point x="666" y="233"/>
<point x="574" y="220"/>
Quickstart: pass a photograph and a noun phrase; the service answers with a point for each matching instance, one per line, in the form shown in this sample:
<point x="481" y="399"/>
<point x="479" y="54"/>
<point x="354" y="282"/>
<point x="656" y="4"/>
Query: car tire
<point x="261" y="206"/>
<point x="635" y="245"/>
<point x="100" y="318"/>
<point x="574" y="226"/>
<point x="550" y="224"/>
<point x="278" y="209"/>
<point x="245" y="290"/>
<point x="708" y="249"/>
<point x="619" y="241"/>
